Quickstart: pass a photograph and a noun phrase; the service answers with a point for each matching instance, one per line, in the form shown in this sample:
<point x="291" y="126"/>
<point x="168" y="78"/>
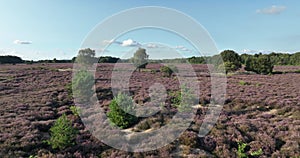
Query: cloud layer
<point x="183" y="48"/>
<point x="130" y="43"/>
<point x="125" y="43"/>
<point x="271" y="10"/>
<point x="22" y="42"/>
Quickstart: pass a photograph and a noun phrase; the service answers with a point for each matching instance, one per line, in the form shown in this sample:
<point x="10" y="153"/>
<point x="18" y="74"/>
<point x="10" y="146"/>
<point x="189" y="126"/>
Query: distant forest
<point x="275" y="58"/>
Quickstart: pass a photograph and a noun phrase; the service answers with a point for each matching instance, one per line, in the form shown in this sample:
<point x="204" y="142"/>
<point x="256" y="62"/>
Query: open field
<point x="261" y="110"/>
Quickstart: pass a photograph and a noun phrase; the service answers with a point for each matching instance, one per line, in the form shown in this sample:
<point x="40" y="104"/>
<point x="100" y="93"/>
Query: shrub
<point x="256" y="153"/>
<point x="228" y="67"/>
<point x="260" y="64"/>
<point x="189" y="139"/>
<point x="75" y="110"/>
<point x="82" y="84"/>
<point x="168" y="70"/>
<point x="183" y="100"/>
<point x="297" y="71"/>
<point x="241" y="150"/>
<point x="119" y="108"/>
<point x="243" y="83"/>
<point x="62" y="133"/>
<point x="68" y="87"/>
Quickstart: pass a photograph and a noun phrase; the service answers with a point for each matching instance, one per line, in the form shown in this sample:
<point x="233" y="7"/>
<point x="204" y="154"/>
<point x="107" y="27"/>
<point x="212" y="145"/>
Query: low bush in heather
<point x="120" y="107"/>
<point x="183" y="100"/>
<point x="62" y="133"/>
<point x="75" y="110"/>
<point x="243" y="83"/>
<point x="82" y="84"/>
<point x="168" y="70"/>
<point x="241" y="153"/>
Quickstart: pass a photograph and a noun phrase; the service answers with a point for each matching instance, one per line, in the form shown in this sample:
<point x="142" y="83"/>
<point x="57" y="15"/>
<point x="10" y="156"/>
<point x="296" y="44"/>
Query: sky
<point x="47" y="29"/>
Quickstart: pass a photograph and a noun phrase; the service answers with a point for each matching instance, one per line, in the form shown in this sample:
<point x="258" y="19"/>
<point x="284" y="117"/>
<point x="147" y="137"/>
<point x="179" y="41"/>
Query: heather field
<point x="262" y="111"/>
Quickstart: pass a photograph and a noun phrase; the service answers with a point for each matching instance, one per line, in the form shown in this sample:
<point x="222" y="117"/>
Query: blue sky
<point x="47" y="29"/>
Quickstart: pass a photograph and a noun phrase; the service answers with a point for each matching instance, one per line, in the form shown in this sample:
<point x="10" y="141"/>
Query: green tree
<point x="62" y="133"/>
<point x="86" y="56"/>
<point x="140" y="58"/>
<point x="228" y="67"/>
<point x="119" y="110"/>
<point x="233" y="58"/>
<point x="196" y="60"/>
<point x="295" y="59"/>
<point x="9" y="59"/>
<point x="244" y="57"/>
<point x="260" y="64"/>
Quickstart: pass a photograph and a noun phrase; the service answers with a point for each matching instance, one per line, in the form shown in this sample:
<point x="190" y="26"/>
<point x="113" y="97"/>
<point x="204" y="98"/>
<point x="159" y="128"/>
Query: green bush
<point x="228" y="67"/>
<point x="62" y="133"/>
<point x="256" y="153"/>
<point x="260" y="64"/>
<point x="119" y="108"/>
<point x="82" y="84"/>
<point x="75" y="110"/>
<point x="168" y="70"/>
<point x="243" y="83"/>
<point x="241" y="150"/>
<point x="183" y="100"/>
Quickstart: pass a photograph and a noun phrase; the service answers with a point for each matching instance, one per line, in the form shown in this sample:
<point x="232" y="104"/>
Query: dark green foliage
<point x="283" y="58"/>
<point x="227" y="60"/>
<point x="10" y="59"/>
<point x="51" y="61"/>
<point x="231" y="56"/>
<point x="168" y="70"/>
<point x="62" y="133"/>
<point x="140" y="58"/>
<point x="82" y="84"/>
<point x="73" y="59"/>
<point x="196" y="60"/>
<point x="228" y="67"/>
<point x="295" y="59"/>
<point x="54" y="60"/>
<point x="232" y="60"/>
<point x="244" y="57"/>
<point x="119" y="110"/>
<point x="261" y="64"/>
<point x="108" y="59"/>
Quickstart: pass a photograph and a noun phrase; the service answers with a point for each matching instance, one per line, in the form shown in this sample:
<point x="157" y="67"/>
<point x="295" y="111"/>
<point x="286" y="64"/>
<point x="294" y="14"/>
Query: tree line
<point x="231" y="61"/>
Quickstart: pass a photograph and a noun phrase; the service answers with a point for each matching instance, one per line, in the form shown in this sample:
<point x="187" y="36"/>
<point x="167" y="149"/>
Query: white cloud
<point x="183" y="48"/>
<point x="111" y="41"/>
<point x="130" y="43"/>
<point x="125" y="43"/>
<point x="151" y="45"/>
<point x="272" y="10"/>
<point x="22" y="42"/>
<point x="249" y="51"/>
